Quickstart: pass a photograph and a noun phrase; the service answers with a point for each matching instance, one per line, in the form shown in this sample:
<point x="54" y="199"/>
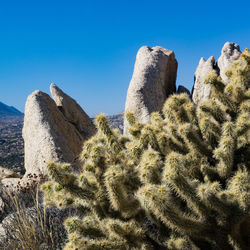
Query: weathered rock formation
<point x="50" y="133"/>
<point x="201" y="91"/>
<point x="72" y="112"/>
<point x="152" y="82"/>
<point x="7" y="173"/>
<point x="229" y="53"/>
<point x="47" y="135"/>
<point x="182" y="89"/>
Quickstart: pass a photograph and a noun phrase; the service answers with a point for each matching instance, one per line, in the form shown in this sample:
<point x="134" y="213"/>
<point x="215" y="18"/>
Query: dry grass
<point x="34" y="227"/>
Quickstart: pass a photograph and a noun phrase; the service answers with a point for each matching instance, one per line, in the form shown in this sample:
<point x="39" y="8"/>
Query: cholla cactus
<point x="180" y="182"/>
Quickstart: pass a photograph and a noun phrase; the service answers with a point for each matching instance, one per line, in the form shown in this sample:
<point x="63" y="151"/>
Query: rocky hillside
<point x="11" y="141"/>
<point x="9" y="112"/>
<point x="116" y="121"/>
<point x="11" y="144"/>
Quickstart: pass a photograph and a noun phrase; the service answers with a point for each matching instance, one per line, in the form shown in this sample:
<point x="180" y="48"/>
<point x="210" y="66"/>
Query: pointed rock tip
<point x="37" y="93"/>
<point x="211" y="59"/>
<point x="53" y="86"/>
<point x="202" y="59"/>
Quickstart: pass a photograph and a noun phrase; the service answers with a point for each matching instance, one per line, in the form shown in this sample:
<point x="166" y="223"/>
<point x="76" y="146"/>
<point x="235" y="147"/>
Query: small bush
<point x="29" y="225"/>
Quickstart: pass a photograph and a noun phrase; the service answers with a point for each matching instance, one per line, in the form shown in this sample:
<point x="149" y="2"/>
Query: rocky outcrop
<point x="72" y="112"/>
<point x="201" y="91"/>
<point x="50" y="133"/>
<point x="152" y="82"/>
<point x="229" y="53"/>
<point x="7" y="173"/>
<point x="182" y="89"/>
<point x="47" y="135"/>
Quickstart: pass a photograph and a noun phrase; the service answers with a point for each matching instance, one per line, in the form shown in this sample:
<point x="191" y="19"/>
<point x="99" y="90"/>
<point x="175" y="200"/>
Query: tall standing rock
<point x="201" y="91"/>
<point x="229" y="53"/>
<point x="47" y="135"/>
<point x="73" y="112"/>
<point x="152" y="82"/>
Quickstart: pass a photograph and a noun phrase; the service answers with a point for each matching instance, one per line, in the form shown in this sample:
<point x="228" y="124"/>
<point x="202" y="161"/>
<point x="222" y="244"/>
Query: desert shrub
<point x="182" y="181"/>
<point x="28" y="225"/>
<point x="24" y="193"/>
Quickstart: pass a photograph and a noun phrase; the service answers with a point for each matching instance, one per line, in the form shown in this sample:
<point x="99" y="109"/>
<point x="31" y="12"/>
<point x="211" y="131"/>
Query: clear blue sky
<point x="88" y="48"/>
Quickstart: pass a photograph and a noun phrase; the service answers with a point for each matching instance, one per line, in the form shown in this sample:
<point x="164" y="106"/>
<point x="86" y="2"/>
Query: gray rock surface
<point x="201" y="91"/>
<point x="73" y="112"/>
<point x="152" y="82"/>
<point x="229" y="53"/>
<point x="47" y="135"/>
<point x="182" y="89"/>
<point x="7" y="173"/>
<point x="1" y="206"/>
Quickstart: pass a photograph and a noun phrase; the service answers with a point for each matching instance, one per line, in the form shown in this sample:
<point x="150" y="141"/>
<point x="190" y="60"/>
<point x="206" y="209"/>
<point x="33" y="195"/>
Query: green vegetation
<point x="181" y="181"/>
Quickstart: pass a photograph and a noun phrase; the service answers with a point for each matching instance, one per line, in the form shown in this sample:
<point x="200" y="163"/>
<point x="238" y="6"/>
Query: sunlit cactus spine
<point x="182" y="181"/>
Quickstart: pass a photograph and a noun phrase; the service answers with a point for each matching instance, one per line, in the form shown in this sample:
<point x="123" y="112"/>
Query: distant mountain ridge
<point x="9" y="112"/>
